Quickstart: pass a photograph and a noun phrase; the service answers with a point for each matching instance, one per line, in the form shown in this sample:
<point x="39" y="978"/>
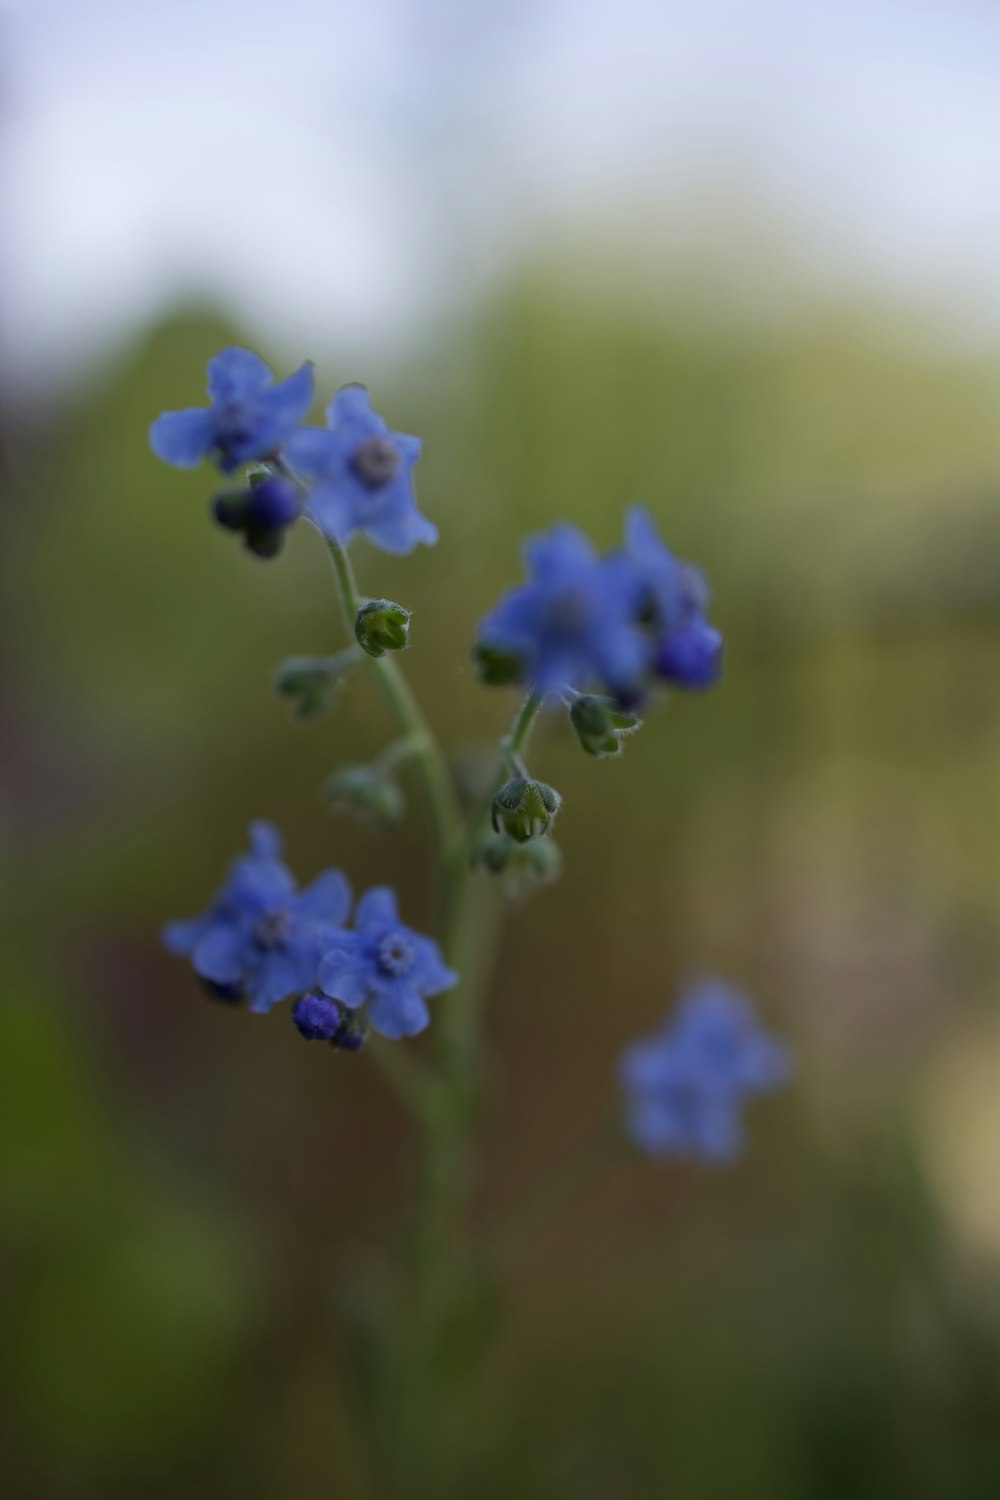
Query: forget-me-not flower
<point x="250" y="416"/>
<point x="386" y="967"/>
<point x="672" y="600"/>
<point x="573" y="624"/>
<point x="261" y="938"/>
<point x="363" y="476"/>
<point x="685" y="1087"/>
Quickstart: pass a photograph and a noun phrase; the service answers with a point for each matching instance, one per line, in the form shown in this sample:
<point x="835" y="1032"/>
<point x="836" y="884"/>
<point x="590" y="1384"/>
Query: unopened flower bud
<point x="520" y="868"/>
<point x="600" y="724"/>
<point x="382" y="626"/>
<point x="495" y="667"/>
<point x="262" y="510"/>
<point x="352" y="1033"/>
<point x="317" y="1017"/>
<point x="524" y="809"/>
<point x="309" y="682"/>
<point x="229" y="509"/>
<point x="368" y="793"/>
<point x="272" y="502"/>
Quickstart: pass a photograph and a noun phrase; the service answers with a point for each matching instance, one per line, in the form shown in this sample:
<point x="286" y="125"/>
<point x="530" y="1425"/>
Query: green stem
<point x="442" y="802"/>
<point x="406" y="1076"/>
<point x="446" y="1102"/>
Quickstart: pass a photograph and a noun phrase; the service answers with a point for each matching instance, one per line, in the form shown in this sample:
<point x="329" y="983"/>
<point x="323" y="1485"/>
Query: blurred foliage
<point x="184" y="1190"/>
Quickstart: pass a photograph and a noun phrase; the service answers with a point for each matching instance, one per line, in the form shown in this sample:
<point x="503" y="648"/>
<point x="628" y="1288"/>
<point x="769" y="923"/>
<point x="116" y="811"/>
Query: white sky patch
<point x="337" y="171"/>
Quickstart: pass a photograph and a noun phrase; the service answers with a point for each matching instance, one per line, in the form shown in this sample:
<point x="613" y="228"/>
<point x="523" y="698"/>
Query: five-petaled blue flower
<point x="261" y="939"/>
<point x="673" y="599"/>
<point x="386" y="967"/>
<point x="363" y="476"/>
<point x="250" y="416"/>
<point x="574" y="623"/>
<point x="685" y="1086"/>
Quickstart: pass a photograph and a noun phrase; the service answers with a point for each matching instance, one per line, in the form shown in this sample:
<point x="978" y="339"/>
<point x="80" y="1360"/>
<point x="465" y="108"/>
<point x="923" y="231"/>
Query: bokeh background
<point x="738" y="262"/>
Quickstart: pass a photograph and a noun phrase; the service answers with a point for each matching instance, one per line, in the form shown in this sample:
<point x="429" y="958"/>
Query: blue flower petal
<point x="344" y="972"/>
<point x="398" y="1012"/>
<point x="377" y="909"/>
<point x="401" y="534"/>
<point x="273" y="979"/>
<point x="314" y="452"/>
<point x="183" y="438"/>
<point x="350" y="415"/>
<point x="332" y="512"/>
<point x="327" y="899"/>
<point x="180" y="938"/>
<point x="430" y="970"/>
<point x="220" y="955"/>
<point x="236" y="374"/>
<point x="265" y="840"/>
<point x="284" y="406"/>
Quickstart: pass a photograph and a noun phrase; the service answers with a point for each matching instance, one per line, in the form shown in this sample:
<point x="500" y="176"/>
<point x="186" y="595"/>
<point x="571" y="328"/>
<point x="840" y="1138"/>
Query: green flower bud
<point x="600" y="724"/>
<point x="382" y="626"/>
<point x="520" y="868"/>
<point x="368" y="793"/>
<point x="496" y="668"/>
<point x="310" y="683"/>
<point x="524" y="809"/>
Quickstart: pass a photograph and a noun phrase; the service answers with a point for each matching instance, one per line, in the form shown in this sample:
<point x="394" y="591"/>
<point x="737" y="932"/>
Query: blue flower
<point x="250" y="417"/>
<point x="363" y="476"/>
<point x="673" y="601"/>
<point x="385" y="966"/>
<point x="685" y="1086"/>
<point x="261" y="938"/>
<point x="574" y="623"/>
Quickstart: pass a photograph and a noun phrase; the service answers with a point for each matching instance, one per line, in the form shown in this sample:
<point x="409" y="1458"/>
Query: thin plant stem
<point x="442" y="801"/>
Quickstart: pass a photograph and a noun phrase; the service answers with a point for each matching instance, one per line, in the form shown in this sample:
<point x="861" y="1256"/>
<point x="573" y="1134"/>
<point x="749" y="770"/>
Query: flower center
<point x="375" y="462"/>
<point x="271" y="929"/>
<point x="567" y="614"/>
<point x="394" y="954"/>
<point x="234" y="423"/>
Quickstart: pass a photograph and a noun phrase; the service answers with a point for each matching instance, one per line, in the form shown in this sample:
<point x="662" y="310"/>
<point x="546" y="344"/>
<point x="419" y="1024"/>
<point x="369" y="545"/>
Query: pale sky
<point x="348" y="169"/>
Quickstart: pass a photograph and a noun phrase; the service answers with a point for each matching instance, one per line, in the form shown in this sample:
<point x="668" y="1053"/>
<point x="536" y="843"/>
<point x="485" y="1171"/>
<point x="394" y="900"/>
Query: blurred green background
<point x="186" y="1190"/>
<point x="187" y="1194"/>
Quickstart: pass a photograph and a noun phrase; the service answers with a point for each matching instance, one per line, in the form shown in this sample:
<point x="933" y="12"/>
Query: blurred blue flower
<point x="250" y="416"/>
<point x="573" y="624"/>
<point x="363" y="476"/>
<point x="672" y="600"/>
<point x="261" y="938"/>
<point x="385" y="966"/>
<point x="685" y="1086"/>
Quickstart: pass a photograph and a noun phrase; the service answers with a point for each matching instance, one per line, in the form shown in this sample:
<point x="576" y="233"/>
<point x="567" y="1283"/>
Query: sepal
<point x="524" y="809"/>
<point x="600" y="724"/>
<point x="520" y="868"/>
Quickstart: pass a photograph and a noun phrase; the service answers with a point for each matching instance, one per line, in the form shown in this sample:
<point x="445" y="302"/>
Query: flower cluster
<point x="617" y="623"/>
<point x="262" y="940"/>
<point x="362" y="473"/>
<point x="685" y="1086"/>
